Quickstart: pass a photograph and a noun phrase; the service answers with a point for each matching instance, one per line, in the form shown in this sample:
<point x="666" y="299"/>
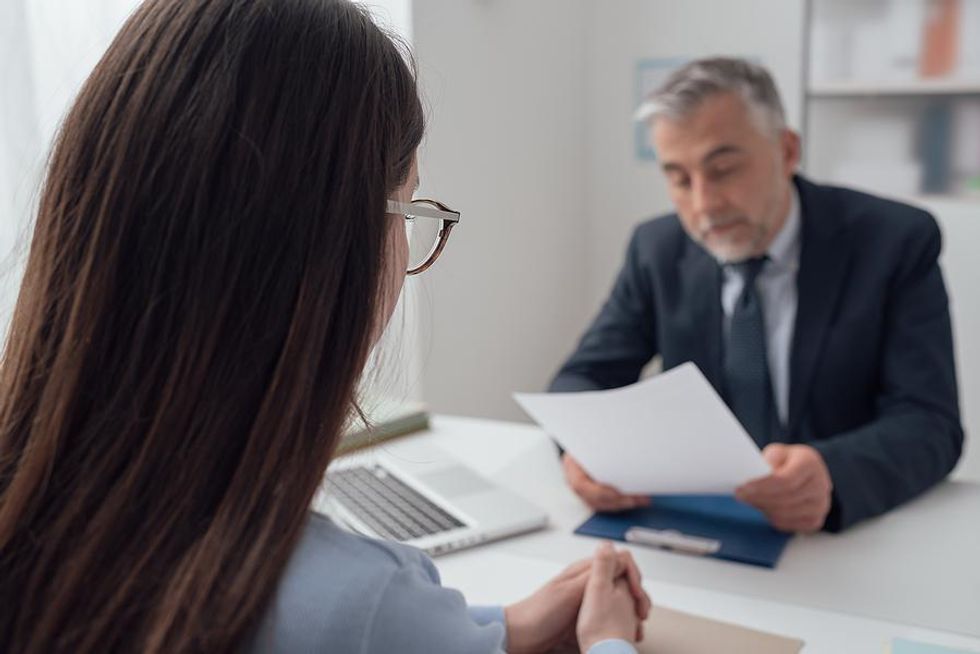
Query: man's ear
<point x="791" y="150"/>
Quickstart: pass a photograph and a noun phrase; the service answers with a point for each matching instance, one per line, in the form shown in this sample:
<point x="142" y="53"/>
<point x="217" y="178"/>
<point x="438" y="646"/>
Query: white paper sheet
<point x="668" y="434"/>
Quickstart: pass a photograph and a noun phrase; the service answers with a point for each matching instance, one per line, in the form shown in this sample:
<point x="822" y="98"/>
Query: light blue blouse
<point x="345" y="593"/>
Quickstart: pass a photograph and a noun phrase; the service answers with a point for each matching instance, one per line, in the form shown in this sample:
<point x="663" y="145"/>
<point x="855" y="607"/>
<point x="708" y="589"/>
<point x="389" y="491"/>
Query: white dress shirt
<point x="776" y="285"/>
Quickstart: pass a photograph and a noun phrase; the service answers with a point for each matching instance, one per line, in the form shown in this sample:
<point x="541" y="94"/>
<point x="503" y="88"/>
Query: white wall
<point x="47" y="49"/>
<point x="19" y="148"/>
<point x="506" y="147"/>
<point x="393" y="15"/>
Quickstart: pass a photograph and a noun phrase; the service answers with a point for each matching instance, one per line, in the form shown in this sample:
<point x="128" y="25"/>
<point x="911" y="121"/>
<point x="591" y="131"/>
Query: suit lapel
<point x="823" y="266"/>
<point x="700" y="273"/>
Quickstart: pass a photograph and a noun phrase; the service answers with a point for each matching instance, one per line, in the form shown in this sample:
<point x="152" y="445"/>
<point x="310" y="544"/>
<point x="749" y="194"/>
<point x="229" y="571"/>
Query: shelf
<point x="852" y="88"/>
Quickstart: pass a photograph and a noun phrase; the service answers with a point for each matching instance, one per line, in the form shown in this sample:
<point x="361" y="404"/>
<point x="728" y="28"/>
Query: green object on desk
<point x="388" y="420"/>
<point x="902" y="646"/>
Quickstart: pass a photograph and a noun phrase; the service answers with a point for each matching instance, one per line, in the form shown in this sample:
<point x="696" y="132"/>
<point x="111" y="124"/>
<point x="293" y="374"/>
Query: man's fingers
<point x="796" y="496"/>
<point x="775" y="454"/>
<point x="573" y="470"/>
<point x="616" y="505"/>
<point x="609" y="493"/>
<point x="605" y="498"/>
<point x="811" y="496"/>
<point x="600" y="497"/>
<point x="770" y="484"/>
<point x="806" y="518"/>
<point x="760" y="488"/>
<point x="801" y="464"/>
<point x="804" y="523"/>
<point x="594" y="491"/>
<point x="775" y="485"/>
<point x="609" y="499"/>
<point x="777" y="492"/>
<point x="808" y="509"/>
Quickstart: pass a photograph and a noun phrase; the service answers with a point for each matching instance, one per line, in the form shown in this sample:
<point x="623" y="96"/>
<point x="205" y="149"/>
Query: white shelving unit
<point x="892" y="94"/>
<point x="869" y="123"/>
<point x="915" y="87"/>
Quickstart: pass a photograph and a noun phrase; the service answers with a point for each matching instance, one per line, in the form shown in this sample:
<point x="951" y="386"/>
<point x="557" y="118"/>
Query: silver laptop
<point x="425" y="498"/>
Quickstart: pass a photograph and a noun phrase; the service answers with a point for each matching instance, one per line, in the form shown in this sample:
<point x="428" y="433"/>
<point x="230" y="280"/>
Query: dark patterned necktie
<point x="746" y="365"/>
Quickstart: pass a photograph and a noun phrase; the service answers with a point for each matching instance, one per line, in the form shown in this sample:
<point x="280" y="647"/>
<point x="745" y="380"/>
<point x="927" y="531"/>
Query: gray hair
<point x="689" y="86"/>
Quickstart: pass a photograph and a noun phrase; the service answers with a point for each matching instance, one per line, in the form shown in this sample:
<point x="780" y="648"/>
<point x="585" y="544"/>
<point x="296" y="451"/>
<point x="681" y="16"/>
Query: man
<point x="818" y="313"/>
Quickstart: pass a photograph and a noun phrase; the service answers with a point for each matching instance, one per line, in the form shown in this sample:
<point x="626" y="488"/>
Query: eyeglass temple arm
<point x="413" y="209"/>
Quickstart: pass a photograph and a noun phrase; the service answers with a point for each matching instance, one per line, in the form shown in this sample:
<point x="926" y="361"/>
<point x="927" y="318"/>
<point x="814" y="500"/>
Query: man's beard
<point x="734" y="251"/>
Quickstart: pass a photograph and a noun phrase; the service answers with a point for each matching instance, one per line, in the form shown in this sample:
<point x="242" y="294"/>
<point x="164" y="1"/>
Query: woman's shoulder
<point x="324" y="545"/>
<point x="330" y="588"/>
<point x="347" y="593"/>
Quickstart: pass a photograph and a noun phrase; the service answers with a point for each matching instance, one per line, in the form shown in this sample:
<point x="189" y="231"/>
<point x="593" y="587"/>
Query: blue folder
<point x="744" y="532"/>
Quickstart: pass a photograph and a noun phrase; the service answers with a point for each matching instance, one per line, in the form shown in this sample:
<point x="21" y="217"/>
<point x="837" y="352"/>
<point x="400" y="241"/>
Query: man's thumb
<point x="775" y="454"/>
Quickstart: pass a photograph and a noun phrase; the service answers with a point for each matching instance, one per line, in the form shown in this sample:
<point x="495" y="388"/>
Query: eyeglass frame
<point x="416" y="207"/>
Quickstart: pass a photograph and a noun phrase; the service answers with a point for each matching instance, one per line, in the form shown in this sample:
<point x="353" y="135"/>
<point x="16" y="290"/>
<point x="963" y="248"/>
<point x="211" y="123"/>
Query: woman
<point x="212" y="262"/>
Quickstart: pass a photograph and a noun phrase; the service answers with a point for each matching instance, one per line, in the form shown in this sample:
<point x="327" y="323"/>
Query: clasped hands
<point x="795" y="496"/>
<point x="590" y="601"/>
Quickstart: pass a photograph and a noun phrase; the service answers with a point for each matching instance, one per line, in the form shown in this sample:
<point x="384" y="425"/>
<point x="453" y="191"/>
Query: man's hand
<point x="547" y="619"/>
<point x="598" y="496"/>
<point x="796" y="495"/>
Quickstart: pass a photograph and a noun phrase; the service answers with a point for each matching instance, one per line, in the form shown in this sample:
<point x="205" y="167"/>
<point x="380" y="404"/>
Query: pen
<point x="672" y="540"/>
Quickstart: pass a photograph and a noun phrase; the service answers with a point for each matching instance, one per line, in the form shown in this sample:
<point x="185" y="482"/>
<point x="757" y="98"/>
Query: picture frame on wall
<point x="649" y="75"/>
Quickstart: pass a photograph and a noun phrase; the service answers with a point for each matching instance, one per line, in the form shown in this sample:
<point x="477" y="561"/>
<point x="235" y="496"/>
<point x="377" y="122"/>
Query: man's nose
<point x="706" y="197"/>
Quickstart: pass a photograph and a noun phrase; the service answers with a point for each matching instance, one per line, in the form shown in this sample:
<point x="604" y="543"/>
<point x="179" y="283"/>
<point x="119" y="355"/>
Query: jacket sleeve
<point x="416" y="615"/>
<point x="916" y="438"/>
<point x="622" y="338"/>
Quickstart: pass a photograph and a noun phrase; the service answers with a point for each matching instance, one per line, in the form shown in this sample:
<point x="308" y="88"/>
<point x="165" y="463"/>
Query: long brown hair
<point x="198" y="304"/>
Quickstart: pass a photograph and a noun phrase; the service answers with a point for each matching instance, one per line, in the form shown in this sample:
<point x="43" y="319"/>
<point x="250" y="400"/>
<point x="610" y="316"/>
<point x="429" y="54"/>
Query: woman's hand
<point x="610" y="606"/>
<point x="548" y="618"/>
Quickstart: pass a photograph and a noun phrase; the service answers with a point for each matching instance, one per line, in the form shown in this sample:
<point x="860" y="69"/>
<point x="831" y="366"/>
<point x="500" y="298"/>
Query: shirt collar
<point x="785" y="248"/>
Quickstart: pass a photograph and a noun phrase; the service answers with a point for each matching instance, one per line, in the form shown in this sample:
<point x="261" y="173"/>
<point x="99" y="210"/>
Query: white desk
<point x="913" y="573"/>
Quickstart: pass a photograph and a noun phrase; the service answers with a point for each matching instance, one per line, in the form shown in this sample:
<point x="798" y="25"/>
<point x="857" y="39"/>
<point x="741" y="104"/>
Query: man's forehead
<point x="700" y="142"/>
<point x="689" y="154"/>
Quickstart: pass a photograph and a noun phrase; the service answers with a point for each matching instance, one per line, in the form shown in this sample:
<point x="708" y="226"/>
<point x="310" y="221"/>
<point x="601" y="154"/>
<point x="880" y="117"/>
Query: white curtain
<point x="47" y="48"/>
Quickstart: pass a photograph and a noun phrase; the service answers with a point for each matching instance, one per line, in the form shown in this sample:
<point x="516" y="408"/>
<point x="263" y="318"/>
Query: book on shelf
<point x="940" y="45"/>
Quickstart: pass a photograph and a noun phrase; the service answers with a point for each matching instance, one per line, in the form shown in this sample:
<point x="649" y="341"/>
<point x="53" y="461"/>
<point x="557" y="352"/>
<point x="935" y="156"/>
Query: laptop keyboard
<point x="387" y="505"/>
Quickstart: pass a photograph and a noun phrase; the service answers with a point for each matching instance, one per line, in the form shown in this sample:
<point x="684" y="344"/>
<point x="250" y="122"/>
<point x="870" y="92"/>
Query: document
<point x="670" y="434"/>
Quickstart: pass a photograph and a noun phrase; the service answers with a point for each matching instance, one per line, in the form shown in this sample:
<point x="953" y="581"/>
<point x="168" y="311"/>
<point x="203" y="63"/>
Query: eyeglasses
<point x="427" y="225"/>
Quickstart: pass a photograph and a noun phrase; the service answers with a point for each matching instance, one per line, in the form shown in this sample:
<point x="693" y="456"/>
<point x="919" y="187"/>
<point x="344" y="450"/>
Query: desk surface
<point x="823" y="632"/>
<point x="912" y="573"/>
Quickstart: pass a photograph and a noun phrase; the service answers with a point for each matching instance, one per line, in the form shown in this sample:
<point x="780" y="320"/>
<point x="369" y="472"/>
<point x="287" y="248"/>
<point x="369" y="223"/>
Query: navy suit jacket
<point x="872" y="378"/>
